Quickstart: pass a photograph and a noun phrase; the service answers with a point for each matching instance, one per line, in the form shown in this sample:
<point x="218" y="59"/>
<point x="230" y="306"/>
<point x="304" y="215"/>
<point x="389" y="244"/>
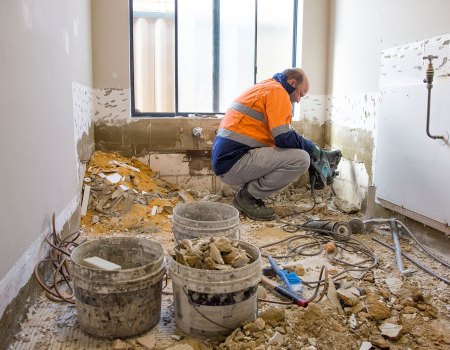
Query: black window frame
<point x="216" y="60"/>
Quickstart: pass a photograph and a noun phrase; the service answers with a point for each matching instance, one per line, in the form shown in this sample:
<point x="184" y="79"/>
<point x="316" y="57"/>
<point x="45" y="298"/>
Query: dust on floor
<point x="376" y="307"/>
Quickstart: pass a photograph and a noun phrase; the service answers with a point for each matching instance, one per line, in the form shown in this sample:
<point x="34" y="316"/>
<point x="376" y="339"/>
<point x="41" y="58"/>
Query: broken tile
<point x="394" y="284"/>
<point x="390" y="330"/>
<point x="114" y="178"/>
<point x="366" y="345"/>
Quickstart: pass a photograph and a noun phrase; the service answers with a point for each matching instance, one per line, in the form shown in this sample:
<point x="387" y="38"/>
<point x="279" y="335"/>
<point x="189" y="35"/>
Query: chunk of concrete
<point x="277" y="338"/>
<point x="119" y="344"/>
<point x="148" y="341"/>
<point x="347" y="297"/>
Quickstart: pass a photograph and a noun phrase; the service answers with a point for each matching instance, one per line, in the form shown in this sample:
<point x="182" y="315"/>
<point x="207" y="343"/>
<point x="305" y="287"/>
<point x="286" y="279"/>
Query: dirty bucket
<point x="205" y="219"/>
<point x="213" y="303"/>
<point x="122" y="303"/>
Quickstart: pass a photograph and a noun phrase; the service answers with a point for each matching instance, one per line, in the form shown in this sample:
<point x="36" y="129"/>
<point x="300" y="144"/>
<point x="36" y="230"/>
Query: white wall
<point x="362" y="32"/>
<point x="45" y="99"/>
<point x="355" y="46"/>
<point x="411" y="169"/>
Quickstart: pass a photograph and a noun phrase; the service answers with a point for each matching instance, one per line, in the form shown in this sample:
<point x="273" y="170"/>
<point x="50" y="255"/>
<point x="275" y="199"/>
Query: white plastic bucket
<point x="205" y="219"/>
<point x="122" y="303"/>
<point x="212" y="303"/>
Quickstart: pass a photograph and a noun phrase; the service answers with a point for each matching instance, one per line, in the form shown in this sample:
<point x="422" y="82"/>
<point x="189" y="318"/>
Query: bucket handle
<point x="201" y="314"/>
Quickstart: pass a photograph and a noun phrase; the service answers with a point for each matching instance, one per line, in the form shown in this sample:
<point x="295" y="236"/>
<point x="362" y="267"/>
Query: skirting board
<point x="23" y="269"/>
<point x="415" y="216"/>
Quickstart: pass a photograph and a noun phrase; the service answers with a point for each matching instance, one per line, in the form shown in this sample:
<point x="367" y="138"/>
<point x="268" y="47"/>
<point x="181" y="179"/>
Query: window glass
<point x="237" y="49"/>
<point x="196" y="56"/>
<point x="154" y="55"/>
<point x="275" y="37"/>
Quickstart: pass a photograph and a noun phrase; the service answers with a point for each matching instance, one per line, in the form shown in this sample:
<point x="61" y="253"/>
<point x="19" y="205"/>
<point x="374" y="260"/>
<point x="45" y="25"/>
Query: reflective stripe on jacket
<point x="260" y="117"/>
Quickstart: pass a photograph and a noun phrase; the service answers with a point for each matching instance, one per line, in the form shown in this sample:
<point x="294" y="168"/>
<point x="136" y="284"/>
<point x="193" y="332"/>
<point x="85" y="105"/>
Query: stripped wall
<point x="351" y="128"/>
<point x="168" y="144"/>
<point x="365" y="51"/>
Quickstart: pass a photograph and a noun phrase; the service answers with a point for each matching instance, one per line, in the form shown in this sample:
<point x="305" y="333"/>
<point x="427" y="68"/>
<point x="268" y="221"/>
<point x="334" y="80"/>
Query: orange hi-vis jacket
<point x="260" y="117"/>
<point x="270" y="114"/>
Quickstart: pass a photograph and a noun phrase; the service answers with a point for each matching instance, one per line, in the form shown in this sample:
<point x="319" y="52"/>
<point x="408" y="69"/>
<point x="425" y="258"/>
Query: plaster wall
<point x="110" y="44"/>
<point x="45" y="132"/>
<point x="313" y="55"/>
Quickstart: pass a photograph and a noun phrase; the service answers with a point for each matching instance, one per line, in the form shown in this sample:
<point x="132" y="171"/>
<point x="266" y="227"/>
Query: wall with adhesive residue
<point x="377" y="109"/>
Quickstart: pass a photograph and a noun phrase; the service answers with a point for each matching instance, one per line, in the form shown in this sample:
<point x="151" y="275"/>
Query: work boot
<point x="252" y="207"/>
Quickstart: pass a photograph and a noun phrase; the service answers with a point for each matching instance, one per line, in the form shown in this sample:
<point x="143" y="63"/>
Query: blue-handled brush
<point x="292" y="282"/>
<point x="284" y="292"/>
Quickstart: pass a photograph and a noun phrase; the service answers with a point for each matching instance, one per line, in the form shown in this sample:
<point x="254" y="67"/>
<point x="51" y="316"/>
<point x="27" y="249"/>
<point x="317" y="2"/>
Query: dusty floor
<point x="413" y="309"/>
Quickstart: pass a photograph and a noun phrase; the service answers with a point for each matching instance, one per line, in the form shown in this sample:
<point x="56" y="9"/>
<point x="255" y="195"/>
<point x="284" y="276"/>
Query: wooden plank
<point x="84" y="205"/>
<point x="115" y="162"/>
<point x="102" y="264"/>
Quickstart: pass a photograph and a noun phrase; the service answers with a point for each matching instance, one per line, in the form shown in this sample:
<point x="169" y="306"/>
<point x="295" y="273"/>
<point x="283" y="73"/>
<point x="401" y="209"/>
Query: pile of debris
<point x="368" y="318"/>
<point x="215" y="253"/>
<point x="374" y="309"/>
<point x="122" y="194"/>
<point x="269" y="329"/>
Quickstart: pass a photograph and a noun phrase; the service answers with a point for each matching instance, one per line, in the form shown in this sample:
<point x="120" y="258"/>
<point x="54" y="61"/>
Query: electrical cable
<point x="323" y="270"/>
<point x="414" y="261"/>
<point x="59" y="258"/>
<point x="300" y="212"/>
<point x="351" y="245"/>
<point x="426" y="250"/>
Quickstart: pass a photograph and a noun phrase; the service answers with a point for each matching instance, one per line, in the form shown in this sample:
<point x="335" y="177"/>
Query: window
<point x="196" y="56"/>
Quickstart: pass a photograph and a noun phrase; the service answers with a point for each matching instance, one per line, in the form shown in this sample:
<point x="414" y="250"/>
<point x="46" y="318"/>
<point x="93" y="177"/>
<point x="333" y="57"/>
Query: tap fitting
<point x="430" y="70"/>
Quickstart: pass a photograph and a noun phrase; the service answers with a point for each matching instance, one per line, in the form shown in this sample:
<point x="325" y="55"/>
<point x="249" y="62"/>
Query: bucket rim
<point x="218" y="229"/>
<point x="159" y="261"/>
<point x="205" y="203"/>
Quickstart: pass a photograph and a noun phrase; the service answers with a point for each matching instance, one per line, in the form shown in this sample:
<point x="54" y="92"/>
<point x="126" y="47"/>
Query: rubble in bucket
<point x="212" y="303"/>
<point x="215" y="253"/>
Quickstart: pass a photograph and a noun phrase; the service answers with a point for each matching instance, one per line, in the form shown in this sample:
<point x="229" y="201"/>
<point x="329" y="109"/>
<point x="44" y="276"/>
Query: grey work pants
<point x="267" y="170"/>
